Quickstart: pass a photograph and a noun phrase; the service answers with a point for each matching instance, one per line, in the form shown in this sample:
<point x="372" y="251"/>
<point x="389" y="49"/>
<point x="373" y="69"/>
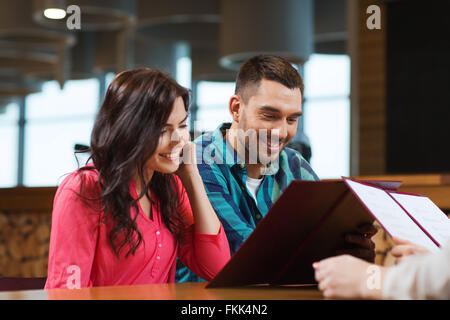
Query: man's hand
<point x="359" y="243"/>
<point x="403" y="249"/>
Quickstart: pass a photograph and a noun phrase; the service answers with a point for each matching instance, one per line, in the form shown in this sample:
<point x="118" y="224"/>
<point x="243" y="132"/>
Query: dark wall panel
<point x="418" y="86"/>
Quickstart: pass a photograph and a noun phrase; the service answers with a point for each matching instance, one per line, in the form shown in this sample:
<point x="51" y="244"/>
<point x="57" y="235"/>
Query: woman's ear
<point x="235" y="106"/>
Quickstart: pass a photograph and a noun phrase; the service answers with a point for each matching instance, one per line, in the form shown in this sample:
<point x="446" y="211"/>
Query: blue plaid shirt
<point x="224" y="176"/>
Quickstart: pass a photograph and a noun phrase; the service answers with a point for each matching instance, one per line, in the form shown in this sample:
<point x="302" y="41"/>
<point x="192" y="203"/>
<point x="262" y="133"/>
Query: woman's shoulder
<point x="184" y="206"/>
<point x="85" y="179"/>
<point x="77" y="198"/>
<point x="177" y="180"/>
<point x="181" y="191"/>
<point x="179" y="185"/>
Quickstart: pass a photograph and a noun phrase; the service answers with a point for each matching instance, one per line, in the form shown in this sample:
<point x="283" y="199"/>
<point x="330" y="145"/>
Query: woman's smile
<point x="171" y="156"/>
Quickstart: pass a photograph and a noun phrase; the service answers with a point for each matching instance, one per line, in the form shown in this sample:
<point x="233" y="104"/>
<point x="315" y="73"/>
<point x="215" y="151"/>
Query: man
<point x="245" y="165"/>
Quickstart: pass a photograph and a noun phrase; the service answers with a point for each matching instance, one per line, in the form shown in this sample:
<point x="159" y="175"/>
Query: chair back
<point x="15" y="284"/>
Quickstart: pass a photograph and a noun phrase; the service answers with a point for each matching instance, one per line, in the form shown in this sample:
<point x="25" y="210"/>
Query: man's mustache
<point x="274" y="138"/>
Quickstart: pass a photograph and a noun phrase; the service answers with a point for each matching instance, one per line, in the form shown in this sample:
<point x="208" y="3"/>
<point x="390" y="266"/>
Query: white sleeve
<point x="420" y="277"/>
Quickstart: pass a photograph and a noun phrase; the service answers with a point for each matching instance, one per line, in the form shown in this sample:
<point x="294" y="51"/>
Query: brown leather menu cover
<point x="306" y="224"/>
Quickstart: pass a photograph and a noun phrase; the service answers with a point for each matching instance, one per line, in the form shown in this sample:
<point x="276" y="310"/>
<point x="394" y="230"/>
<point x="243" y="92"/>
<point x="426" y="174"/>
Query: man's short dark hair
<point x="266" y="67"/>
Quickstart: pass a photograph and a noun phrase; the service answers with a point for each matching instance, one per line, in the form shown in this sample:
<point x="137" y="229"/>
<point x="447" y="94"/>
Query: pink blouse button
<point x="159" y="245"/>
<point x="158" y="233"/>
<point x="158" y="257"/>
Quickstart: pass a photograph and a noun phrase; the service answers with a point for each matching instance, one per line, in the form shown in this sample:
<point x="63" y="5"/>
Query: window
<point x="212" y="101"/>
<point x="327" y="113"/>
<point x="56" y="121"/>
<point x="9" y="132"/>
<point x="183" y="73"/>
<point x="109" y="77"/>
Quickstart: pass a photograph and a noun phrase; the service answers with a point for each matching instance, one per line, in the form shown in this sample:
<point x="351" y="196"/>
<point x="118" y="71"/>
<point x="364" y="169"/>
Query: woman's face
<point x="174" y="135"/>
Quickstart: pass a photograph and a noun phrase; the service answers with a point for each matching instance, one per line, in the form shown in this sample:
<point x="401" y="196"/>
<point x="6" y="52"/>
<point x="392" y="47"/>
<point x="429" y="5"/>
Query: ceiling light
<point x="54" y="13"/>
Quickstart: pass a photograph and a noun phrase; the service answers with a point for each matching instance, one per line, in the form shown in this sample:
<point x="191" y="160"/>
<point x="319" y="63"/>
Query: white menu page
<point x="427" y="214"/>
<point x="390" y="215"/>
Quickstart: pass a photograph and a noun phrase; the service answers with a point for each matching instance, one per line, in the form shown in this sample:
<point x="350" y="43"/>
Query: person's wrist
<point x="190" y="174"/>
<point x="374" y="292"/>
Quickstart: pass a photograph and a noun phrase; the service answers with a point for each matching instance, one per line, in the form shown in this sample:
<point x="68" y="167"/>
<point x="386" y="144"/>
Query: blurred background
<point x="53" y="79"/>
<point x="375" y="102"/>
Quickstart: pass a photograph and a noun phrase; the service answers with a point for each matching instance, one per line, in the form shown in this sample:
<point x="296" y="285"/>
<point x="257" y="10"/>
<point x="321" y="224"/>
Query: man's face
<point x="271" y="113"/>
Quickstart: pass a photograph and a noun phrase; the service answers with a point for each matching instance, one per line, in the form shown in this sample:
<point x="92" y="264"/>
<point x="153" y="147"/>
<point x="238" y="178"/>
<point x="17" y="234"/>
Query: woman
<point x="125" y="217"/>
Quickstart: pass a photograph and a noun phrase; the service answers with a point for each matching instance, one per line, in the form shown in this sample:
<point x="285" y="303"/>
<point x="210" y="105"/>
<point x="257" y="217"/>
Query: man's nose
<point x="281" y="131"/>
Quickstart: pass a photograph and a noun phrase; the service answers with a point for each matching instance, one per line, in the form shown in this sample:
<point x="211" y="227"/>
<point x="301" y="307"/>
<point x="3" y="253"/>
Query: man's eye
<point x="292" y="120"/>
<point x="269" y="116"/>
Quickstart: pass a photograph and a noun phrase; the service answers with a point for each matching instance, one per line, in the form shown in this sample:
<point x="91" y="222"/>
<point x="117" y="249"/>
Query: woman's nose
<point x="177" y="137"/>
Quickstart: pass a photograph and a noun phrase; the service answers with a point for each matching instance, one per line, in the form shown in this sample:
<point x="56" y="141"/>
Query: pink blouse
<point x="81" y="256"/>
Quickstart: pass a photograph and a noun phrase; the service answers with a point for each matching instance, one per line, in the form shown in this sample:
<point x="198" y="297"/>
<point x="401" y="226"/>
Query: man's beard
<point x="260" y="147"/>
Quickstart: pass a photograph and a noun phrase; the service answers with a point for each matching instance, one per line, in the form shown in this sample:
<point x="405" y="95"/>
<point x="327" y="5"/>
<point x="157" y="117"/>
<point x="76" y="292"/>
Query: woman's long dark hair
<point x="125" y="135"/>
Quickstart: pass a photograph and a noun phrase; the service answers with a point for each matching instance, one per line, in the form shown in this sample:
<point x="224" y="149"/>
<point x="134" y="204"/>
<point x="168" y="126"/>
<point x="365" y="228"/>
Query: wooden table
<point x="179" y="291"/>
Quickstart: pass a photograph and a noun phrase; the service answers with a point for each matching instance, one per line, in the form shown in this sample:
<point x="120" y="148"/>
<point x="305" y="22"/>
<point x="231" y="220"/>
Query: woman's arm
<point x="73" y="236"/>
<point x="423" y="276"/>
<point x="204" y="247"/>
<point x="205" y="218"/>
<point x="203" y="253"/>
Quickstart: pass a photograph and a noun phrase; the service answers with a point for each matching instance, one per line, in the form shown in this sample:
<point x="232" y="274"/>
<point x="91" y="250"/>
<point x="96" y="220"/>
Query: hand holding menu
<point x="308" y="223"/>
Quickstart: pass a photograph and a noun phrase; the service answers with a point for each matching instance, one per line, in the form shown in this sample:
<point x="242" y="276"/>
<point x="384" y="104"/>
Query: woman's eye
<point x="183" y="126"/>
